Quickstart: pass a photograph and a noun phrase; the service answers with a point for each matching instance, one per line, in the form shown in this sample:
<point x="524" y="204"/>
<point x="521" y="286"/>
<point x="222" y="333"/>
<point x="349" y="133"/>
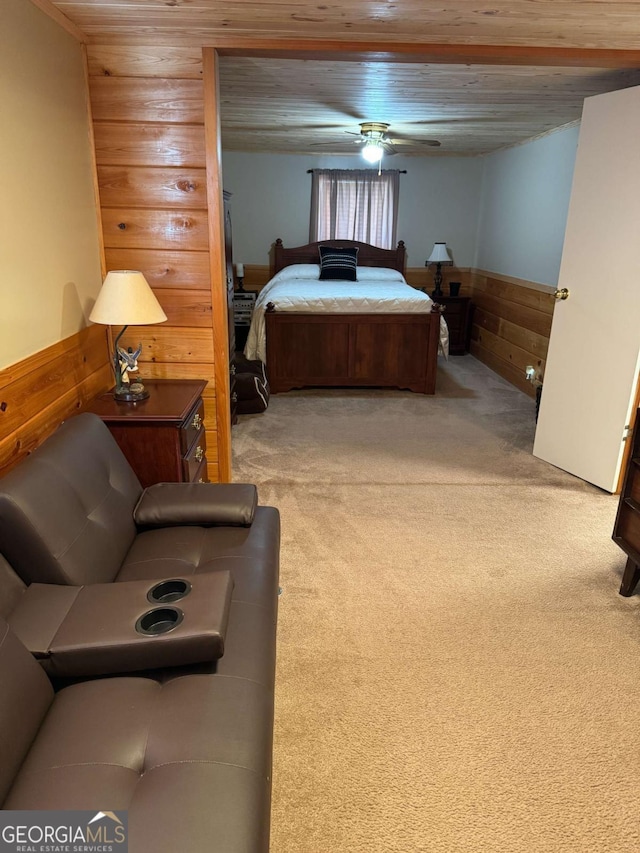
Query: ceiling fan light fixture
<point x="372" y="150"/>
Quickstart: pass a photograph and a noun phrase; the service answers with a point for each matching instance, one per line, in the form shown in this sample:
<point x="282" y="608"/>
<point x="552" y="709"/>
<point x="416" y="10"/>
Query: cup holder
<point x="161" y="620"/>
<point x="168" y="591"/>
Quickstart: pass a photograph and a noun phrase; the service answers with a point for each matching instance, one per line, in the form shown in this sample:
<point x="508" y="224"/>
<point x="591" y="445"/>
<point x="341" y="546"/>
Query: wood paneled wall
<point x="422" y="277"/>
<point x="511" y="325"/>
<point x="148" y="113"/>
<point x="40" y="392"/>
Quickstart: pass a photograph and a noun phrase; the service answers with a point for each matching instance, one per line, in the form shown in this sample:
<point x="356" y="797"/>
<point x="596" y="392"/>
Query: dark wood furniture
<point x="358" y="350"/>
<point x="163" y="436"/>
<point x="228" y="258"/>
<point x="626" y="531"/>
<point x="457" y="313"/>
<point x="368" y="256"/>
<point x="243" y="304"/>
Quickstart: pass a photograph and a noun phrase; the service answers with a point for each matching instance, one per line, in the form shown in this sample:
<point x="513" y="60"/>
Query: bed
<point x="377" y="331"/>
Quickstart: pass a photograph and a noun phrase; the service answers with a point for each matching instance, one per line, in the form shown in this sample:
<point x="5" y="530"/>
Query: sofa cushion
<point x="25" y="698"/>
<point x="196" y="746"/>
<point x="66" y="512"/>
<point x="11" y="589"/>
<point x="250" y="553"/>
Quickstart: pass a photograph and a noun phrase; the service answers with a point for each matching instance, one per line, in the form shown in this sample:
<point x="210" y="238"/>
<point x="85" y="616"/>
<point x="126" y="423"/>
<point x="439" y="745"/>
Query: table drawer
<point x="201" y="475"/>
<point x="194" y="459"/>
<point x="192" y="429"/>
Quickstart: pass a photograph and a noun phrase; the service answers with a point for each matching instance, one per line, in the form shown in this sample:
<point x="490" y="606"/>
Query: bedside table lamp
<point x="126" y="299"/>
<point x="438" y="256"/>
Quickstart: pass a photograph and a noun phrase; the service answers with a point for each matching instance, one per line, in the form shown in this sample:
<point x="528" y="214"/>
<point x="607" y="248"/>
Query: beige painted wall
<point x="49" y="247"/>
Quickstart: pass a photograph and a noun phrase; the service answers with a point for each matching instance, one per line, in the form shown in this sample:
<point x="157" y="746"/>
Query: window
<point x="355" y="204"/>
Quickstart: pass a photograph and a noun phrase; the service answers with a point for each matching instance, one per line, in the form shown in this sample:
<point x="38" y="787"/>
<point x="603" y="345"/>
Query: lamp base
<point x="133" y="394"/>
<point x="437" y="293"/>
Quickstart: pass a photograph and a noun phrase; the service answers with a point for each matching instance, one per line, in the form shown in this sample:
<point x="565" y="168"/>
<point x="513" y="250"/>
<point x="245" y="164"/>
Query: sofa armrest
<point x="125" y="627"/>
<point x="201" y="504"/>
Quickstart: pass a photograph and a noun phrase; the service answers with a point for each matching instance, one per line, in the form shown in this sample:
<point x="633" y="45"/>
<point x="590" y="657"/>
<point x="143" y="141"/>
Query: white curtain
<point x="355" y="204"/>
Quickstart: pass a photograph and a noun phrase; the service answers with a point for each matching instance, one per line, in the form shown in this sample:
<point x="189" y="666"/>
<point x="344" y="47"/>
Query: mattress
<point x="297" y="288"/>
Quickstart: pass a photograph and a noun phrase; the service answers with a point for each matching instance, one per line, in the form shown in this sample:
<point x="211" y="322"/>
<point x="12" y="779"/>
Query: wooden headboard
<point x="368" y="256"/>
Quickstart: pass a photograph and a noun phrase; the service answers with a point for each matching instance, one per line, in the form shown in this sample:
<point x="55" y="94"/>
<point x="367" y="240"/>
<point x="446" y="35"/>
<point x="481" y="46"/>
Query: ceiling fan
<point x="373" y="136"/>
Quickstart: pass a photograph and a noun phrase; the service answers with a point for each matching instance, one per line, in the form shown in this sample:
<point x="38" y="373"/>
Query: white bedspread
<point x="298" y="288"/>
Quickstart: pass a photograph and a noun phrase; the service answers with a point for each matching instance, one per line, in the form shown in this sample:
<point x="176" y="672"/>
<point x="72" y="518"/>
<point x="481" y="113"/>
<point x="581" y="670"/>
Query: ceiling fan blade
<point x="388" y="148"/>
<point x="336" y="142"/>
<point x="433" y="143"/>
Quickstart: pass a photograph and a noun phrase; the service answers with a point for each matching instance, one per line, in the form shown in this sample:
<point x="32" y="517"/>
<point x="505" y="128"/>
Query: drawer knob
<point x="234" y="397"/>
<point x="196" y="423"/>
<point x="233" y="370"/>
<point x="199" y="454"/>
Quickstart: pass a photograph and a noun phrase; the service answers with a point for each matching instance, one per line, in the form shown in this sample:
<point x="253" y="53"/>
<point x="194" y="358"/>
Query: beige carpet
<point x="456" y="671"/>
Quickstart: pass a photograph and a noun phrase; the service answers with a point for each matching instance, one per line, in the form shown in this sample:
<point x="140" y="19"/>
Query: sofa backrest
<point x="66" y="511"/>
<point x="24" y="701"/>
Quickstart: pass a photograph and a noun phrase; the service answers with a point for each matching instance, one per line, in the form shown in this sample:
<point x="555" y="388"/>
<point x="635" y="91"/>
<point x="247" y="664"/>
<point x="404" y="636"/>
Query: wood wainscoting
<point x="149" y="127"/>
<point x="511" y="318"/>
<point x="40" y="392"/>
<point x="511" y="325"/>
<point x="257" y="275"/>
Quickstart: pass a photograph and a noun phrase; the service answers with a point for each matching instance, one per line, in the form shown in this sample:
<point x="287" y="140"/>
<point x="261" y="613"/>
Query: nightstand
<point x="163" y="436"/>
<point x="457" y="313"/>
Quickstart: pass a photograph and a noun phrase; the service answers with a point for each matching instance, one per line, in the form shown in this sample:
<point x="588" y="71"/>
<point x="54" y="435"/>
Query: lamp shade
<point x="439" y="255"/>
<point x="126" y="299"/>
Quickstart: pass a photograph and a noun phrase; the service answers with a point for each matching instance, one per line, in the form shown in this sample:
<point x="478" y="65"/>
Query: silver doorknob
<point x="562" y="294"/>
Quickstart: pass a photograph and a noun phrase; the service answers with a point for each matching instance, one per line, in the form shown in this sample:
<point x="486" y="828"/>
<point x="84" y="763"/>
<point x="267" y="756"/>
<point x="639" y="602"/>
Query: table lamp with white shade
<point x="439" y="256"/>
<point x="126" y="299"/>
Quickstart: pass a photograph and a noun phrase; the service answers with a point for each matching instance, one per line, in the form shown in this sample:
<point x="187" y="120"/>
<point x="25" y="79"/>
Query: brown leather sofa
<point x="184" y="744"/>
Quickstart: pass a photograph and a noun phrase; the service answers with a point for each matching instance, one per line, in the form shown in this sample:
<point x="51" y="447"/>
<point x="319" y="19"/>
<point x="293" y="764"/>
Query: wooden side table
<point x="163" y="436"/>
<point x="457" y="313"/>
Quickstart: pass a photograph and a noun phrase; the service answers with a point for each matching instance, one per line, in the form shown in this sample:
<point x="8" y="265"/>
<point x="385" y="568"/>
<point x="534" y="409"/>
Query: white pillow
<point x="312" y="272"/>
<point x="379" y="274"/>
<point x="298" y="271"/>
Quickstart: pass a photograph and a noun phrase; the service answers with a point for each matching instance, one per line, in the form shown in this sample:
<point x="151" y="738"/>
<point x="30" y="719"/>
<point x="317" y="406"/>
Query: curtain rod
<point x="399" y="171"/>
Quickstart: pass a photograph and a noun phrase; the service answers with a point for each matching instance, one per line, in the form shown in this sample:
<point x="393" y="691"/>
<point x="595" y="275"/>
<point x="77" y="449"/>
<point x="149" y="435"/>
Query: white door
<point x="594" y="350"/>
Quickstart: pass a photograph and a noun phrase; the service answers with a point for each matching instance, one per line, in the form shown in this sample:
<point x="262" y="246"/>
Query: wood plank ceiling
<point x="476" y="79"/>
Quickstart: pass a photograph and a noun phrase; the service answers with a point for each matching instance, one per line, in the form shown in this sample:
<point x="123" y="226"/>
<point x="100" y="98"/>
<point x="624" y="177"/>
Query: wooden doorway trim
<point x="629" y="442"/>
<point x="213" y="159"/>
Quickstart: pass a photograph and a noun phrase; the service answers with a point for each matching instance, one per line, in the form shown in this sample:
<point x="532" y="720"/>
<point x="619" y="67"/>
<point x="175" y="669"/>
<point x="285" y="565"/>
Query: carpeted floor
<point x="456" y="670"/>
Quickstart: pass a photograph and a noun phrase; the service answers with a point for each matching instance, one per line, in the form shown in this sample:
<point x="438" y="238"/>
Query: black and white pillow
<point x="338" y="263"/>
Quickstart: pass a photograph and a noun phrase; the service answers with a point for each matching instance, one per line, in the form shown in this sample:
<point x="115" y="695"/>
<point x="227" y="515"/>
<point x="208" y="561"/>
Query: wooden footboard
<point x="356" y="350"/>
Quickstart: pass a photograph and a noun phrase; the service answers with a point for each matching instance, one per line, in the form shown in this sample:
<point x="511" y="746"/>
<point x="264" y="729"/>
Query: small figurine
<point x="128" y="389"/>
<point x="128" y="360"/>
